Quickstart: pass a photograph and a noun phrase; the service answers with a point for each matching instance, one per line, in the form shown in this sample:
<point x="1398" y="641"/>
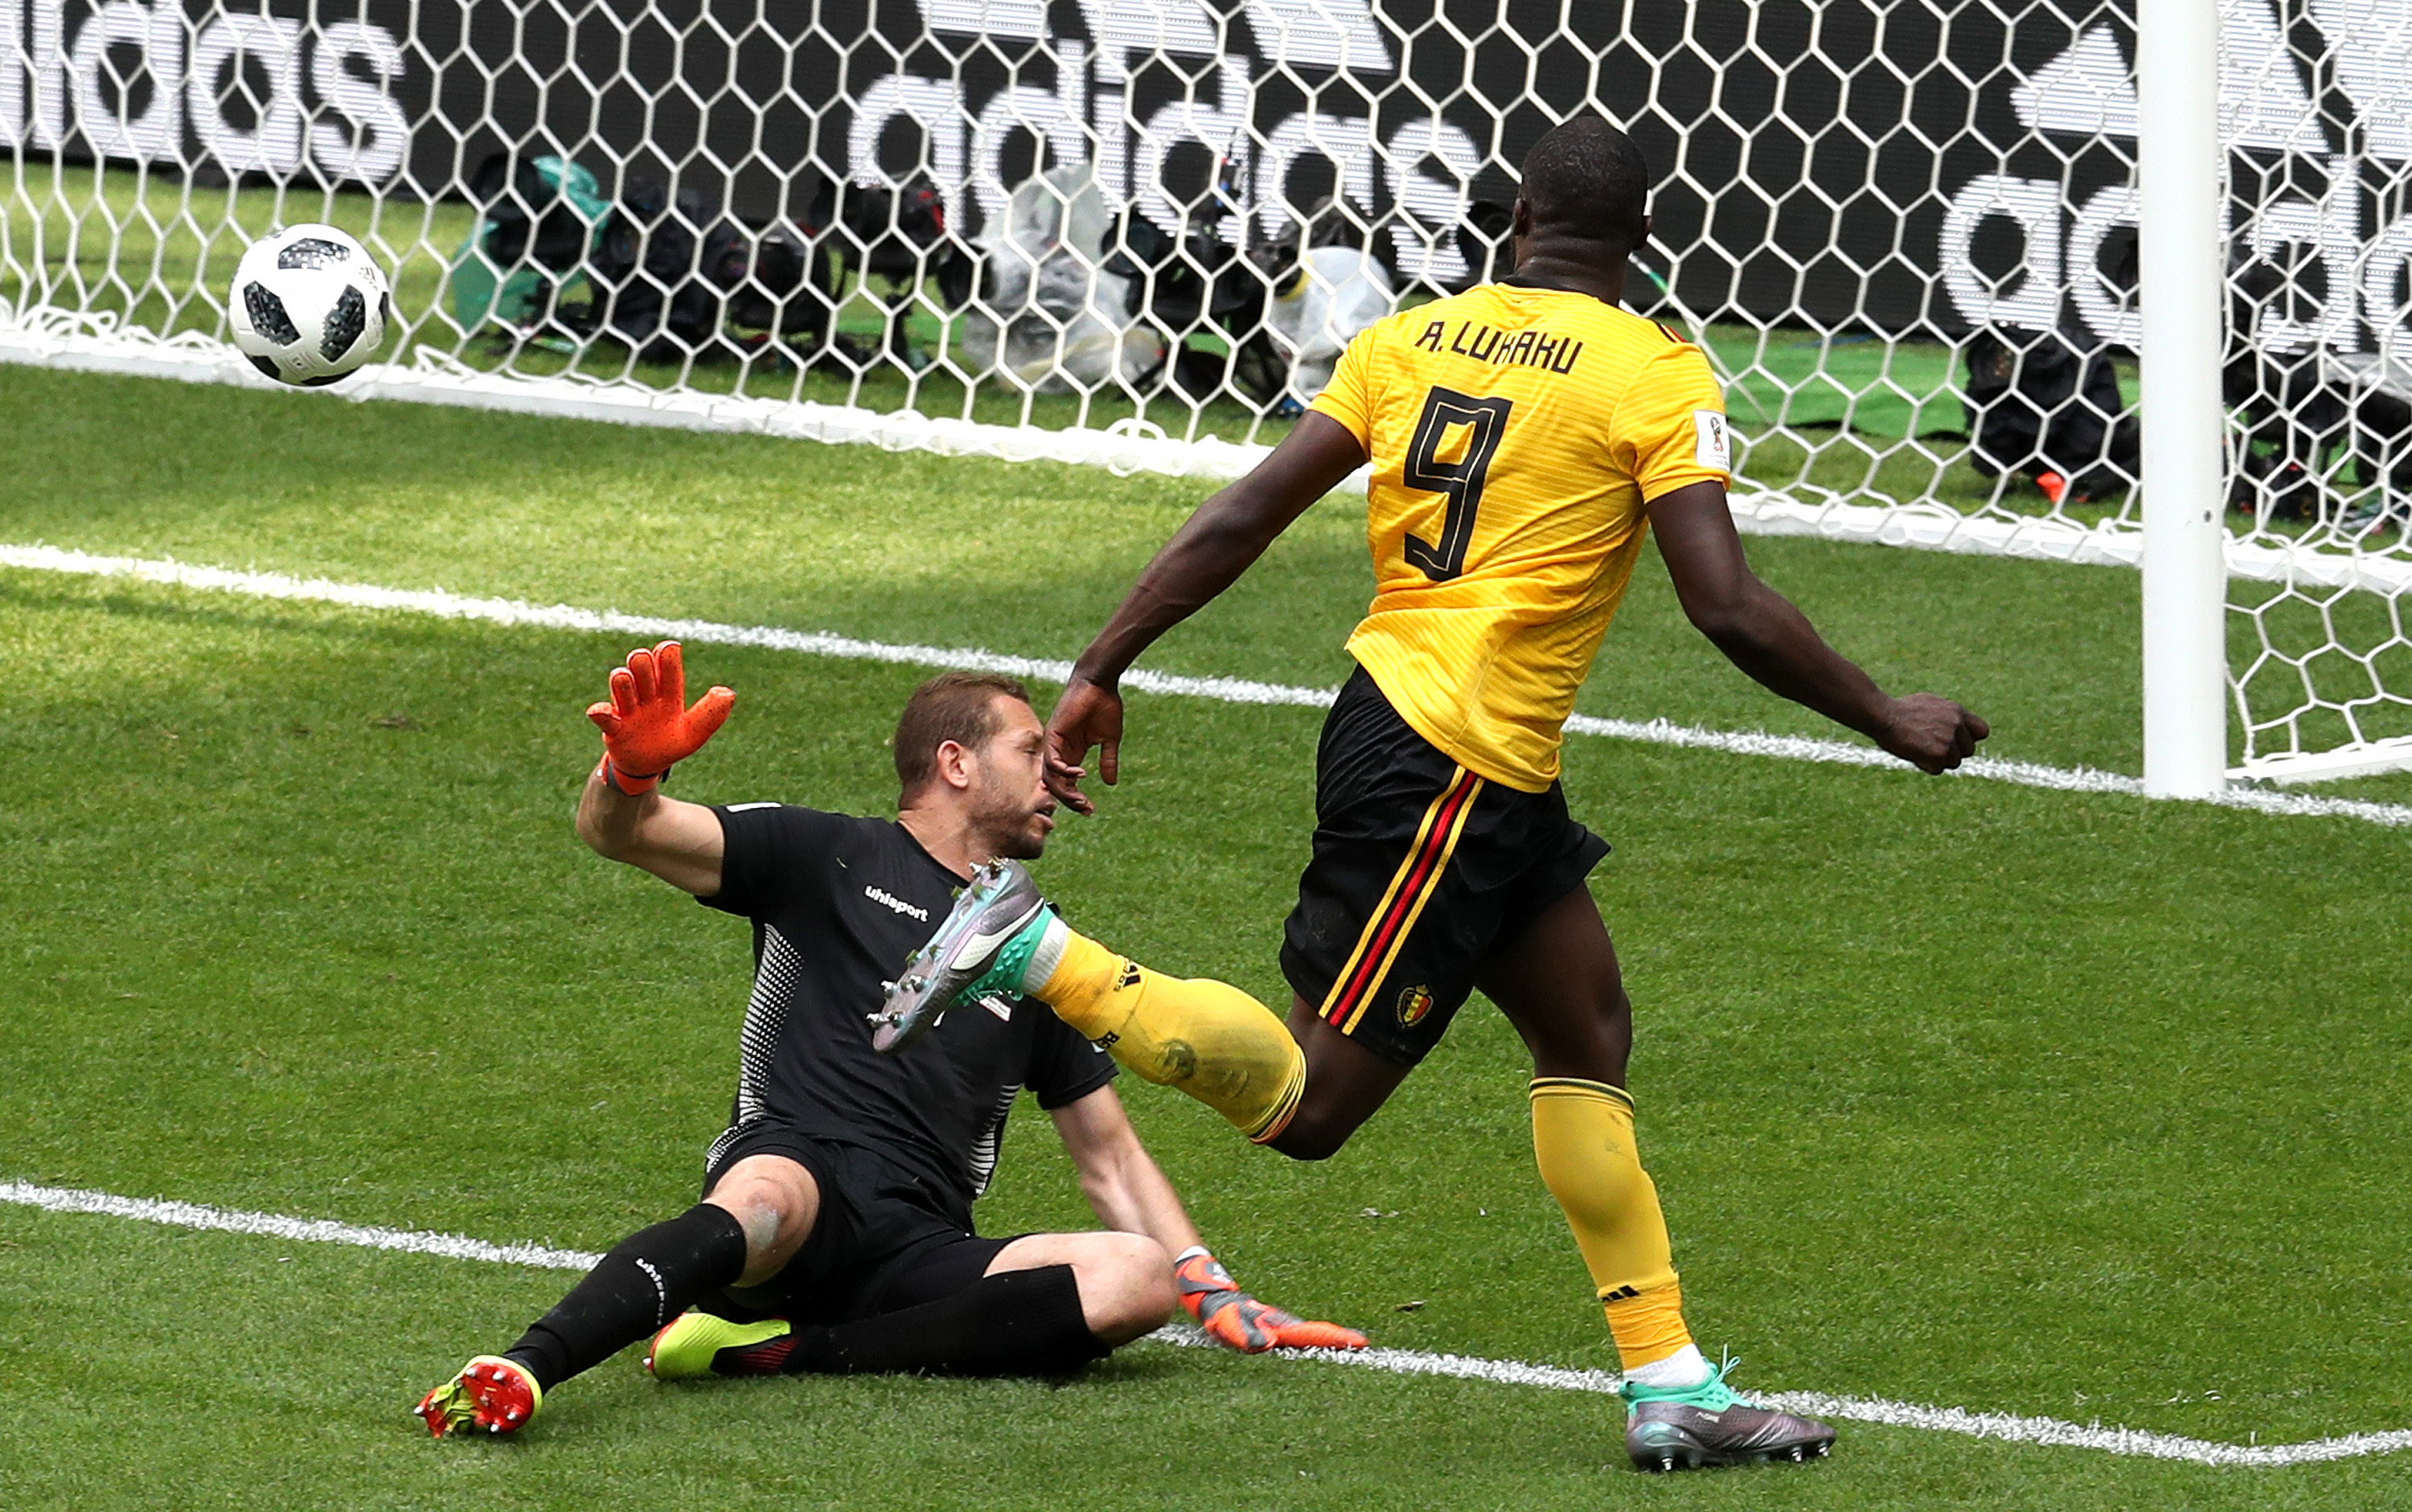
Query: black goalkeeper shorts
<point x="1421" y="870"/>
<point x="879" y="1245"/>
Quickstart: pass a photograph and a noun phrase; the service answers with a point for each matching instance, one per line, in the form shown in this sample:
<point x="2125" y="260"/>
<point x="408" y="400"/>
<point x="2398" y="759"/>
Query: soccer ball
<point x="308" y="305"/>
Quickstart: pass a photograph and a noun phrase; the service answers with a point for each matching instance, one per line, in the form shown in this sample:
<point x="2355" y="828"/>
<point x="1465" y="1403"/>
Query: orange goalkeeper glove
<point x="647" y="727"/>
<point x="1236" y="1320"/>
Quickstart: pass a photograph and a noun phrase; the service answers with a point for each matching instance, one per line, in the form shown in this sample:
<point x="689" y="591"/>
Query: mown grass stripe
<point x="509" y="612"/>
<point x="2048" y="1431"/>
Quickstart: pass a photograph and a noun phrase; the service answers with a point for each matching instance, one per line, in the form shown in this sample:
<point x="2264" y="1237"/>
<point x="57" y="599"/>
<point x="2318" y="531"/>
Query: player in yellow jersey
<point x="1524" y="437"/>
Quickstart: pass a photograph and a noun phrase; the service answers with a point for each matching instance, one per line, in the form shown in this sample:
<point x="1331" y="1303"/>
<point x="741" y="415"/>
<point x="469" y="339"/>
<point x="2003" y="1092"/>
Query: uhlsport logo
<point x="1414" y="1003"/>
<point x="887" y="900"/>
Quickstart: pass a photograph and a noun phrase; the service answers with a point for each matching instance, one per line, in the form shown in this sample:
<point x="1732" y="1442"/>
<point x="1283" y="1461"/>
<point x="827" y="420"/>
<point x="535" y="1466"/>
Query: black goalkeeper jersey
<point x="838" y="903"/>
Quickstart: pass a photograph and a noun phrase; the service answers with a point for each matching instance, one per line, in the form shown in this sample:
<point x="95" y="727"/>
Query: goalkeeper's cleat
<point x="492" y="1394"/>
<point x="698" y="1343"/>
<point x="1709" y="1424"/>
<point x="982" y="947"/>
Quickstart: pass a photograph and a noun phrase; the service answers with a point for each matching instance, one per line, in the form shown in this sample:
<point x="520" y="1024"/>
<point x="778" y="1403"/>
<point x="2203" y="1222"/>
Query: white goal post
<point x="2184" y="561"/>
<point x="1913" y="236"/>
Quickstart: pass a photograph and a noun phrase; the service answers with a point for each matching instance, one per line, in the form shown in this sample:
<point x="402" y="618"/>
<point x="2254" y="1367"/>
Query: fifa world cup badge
<point x="1713" y="447"/>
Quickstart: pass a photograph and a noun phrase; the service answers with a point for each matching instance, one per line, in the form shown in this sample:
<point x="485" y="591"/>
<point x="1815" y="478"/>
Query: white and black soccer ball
<point x="308" y="305"/>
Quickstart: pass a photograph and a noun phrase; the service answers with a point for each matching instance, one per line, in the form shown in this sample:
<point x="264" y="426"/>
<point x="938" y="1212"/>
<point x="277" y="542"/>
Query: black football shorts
<point x="1421" y="869"/>
<point x="882" y="1241"/>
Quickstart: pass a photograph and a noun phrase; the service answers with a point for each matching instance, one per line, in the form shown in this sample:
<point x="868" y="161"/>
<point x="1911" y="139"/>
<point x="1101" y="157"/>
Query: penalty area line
<point x="438" y="603"/>
<point x="2049" y="1432"/>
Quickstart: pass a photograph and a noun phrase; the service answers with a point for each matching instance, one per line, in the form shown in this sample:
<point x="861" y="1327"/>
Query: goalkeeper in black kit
<point x="835" y="1234"/>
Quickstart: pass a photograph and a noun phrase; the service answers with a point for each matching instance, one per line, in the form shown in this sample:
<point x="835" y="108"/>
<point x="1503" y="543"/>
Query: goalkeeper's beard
<point x="1010" y="827"/>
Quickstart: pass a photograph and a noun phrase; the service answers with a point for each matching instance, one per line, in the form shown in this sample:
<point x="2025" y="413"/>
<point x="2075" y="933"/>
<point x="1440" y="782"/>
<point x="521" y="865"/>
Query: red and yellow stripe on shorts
<point x="1394" y="919"/>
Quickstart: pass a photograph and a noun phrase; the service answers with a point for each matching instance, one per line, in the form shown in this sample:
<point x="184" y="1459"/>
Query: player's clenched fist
<point x="1238" y="1321"/>
<point x="1933" y="734"/>
<point x="647" y="727"/>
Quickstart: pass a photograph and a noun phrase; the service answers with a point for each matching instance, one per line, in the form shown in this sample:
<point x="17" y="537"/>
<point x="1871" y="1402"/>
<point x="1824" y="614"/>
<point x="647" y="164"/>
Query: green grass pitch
<point x="1958" y="1093"/>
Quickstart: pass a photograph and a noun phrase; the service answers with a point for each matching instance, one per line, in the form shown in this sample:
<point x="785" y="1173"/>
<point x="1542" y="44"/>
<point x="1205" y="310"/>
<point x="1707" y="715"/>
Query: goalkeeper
<point x="835" y="1234"/>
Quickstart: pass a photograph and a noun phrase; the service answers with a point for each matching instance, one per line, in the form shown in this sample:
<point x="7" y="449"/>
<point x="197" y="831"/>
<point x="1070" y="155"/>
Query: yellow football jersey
<point x="1514" y="433"/>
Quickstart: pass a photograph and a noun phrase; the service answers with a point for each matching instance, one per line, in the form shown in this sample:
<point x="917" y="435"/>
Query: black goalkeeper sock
<point x="648" y="1278"/>
<point x="1015" y="1323"/>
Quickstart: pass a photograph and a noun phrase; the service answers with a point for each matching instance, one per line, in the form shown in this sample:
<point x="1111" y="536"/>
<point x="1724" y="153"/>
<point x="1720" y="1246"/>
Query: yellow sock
<point x="1647" y="1326"/>
<point x="1582" y="1138"/>
<point x="1212" y="1041"/>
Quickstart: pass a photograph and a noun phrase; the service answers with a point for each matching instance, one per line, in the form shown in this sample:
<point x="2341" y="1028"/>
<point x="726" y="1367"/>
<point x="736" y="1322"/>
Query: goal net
<point x="1136" y="232"/>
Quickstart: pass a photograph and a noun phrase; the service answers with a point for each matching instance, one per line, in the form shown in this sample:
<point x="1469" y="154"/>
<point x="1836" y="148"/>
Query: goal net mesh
<point x="1138" y="232"/>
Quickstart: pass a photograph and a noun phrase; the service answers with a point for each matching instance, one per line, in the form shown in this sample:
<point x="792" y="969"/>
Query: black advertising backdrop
<point x="1889" y="167"/>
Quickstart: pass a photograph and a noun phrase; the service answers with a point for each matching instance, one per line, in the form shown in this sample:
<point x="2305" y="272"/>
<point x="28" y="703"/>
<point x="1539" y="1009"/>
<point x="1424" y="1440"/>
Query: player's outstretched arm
<point x="1131" y="1194"/>
<point x="647" y="728"/>
<point x="1128" y="1192"/>
<point x="1762" y="633"/>
<point x="1206" y="555"/>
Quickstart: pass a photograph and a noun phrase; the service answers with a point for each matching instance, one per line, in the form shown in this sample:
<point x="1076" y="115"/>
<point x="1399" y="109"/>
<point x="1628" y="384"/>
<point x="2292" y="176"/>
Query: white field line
<point x="2048" y="1431"/>
<point x="310" y="1230"/>
<point x="511" y="612"/>
<point x="94" y="341"/>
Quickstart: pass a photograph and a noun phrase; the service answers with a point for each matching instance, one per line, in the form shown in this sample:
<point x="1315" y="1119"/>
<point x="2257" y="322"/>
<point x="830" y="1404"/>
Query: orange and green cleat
<point x="491" y="1393"/>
